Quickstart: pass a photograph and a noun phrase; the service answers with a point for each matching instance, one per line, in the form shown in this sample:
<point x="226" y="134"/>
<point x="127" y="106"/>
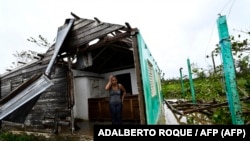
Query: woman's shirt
<point x="115" y="96"/>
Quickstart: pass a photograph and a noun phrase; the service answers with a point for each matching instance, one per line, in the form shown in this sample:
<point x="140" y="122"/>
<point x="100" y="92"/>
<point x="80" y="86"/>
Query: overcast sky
<point x="174" y="30"/>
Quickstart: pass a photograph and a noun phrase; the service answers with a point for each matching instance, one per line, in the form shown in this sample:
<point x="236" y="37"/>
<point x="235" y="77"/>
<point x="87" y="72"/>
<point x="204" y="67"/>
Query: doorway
<point x="125" y="80"/>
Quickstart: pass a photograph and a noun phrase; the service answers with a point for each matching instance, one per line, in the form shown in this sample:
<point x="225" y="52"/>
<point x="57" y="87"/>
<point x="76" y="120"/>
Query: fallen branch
<point x="212" y="106"/>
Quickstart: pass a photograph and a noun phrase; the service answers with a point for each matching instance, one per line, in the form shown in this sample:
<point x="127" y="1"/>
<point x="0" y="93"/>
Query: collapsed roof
<point x="106" y="47"/>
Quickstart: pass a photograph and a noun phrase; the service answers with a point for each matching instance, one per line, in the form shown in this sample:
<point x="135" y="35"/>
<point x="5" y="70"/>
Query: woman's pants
<point x="116" y="113"/>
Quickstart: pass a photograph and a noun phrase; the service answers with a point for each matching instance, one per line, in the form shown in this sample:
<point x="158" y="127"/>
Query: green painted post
<point x="191" y="81"/>
<point x="182" y="85"/>
<point x="229" y="71"/>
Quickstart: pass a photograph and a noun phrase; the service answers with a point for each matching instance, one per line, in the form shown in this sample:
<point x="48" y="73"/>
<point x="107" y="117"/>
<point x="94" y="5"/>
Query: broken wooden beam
<point x="212" y="106"/>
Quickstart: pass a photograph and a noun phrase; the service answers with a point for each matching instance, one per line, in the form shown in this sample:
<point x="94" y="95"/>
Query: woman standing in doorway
<point x="117" y="93"/>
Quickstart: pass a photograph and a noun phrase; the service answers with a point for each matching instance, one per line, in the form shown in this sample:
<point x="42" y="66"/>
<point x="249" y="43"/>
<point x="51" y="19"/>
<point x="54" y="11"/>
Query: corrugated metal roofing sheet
<point x="25" y="93"/>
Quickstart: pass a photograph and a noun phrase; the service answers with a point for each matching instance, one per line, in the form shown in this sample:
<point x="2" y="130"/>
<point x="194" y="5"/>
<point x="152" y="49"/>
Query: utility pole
<point x="229" y="71"/>
<point x="191" y="81"/>
<point x="182" y="85"/>
<point x="212" y="54"/>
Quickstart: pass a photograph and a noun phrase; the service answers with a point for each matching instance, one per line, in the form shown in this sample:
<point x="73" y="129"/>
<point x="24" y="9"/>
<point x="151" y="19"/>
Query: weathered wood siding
<point x="54" y="98"/>
<point x="50" y="100"/>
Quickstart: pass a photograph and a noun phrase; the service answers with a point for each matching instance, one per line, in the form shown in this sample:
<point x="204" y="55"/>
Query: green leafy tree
<point x="240" y="51"/>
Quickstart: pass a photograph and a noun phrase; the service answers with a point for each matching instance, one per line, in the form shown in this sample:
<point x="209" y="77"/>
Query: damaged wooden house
<point x="67" y="82"/>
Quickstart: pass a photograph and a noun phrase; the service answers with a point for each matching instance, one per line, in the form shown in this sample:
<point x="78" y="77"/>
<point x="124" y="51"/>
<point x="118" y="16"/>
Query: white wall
<point x="82" y="94"/>
<point x="86" y="85"/>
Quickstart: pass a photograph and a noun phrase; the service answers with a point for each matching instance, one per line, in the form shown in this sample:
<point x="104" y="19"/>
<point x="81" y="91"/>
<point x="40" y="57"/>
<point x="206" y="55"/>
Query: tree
<point x="41" y="41"/>
<point x="27" y="56"/>
<point x="240" y="51"/>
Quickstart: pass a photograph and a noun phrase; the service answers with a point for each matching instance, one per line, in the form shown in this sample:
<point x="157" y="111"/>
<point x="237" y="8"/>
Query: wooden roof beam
<point x="106" y="41"/>
<point x="75" y="16"/>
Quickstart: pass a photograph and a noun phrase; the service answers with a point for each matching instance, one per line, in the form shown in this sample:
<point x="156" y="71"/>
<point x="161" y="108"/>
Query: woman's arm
<point x="124" y="91"/>
<point x="108" y="85"/>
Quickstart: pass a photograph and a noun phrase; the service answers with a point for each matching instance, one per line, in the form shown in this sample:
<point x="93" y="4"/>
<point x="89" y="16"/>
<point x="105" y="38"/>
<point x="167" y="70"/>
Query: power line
<point x="230" y="9"/>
